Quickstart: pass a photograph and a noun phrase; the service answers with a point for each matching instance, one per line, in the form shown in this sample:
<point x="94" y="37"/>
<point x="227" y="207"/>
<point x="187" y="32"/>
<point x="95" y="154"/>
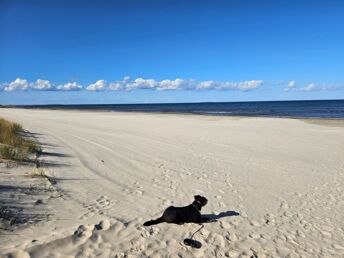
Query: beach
<point x="274" y="185"/>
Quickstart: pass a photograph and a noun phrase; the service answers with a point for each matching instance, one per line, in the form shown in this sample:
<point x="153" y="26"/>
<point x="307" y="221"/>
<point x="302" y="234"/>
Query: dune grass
<point x="14" y="145"/>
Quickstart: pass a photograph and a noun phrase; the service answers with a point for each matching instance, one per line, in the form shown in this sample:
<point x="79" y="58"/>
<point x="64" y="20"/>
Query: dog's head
<point x="202" y="200"/>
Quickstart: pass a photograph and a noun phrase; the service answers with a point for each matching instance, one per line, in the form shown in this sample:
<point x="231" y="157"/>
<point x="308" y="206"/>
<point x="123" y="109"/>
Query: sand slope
<point x="284" y="177"/>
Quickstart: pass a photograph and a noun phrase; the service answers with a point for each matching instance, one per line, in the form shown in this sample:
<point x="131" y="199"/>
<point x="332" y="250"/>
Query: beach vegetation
<point x="14" y="143"/>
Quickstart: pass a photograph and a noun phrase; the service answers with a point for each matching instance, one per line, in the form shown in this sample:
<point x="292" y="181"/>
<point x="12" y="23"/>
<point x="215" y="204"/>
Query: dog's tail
<point x="153" y="222"/>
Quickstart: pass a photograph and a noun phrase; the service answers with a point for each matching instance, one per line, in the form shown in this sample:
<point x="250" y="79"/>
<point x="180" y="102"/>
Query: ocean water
<point x="296" y="109"/>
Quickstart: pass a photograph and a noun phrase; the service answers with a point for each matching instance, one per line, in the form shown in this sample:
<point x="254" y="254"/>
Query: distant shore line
<point x="327" y="121"/>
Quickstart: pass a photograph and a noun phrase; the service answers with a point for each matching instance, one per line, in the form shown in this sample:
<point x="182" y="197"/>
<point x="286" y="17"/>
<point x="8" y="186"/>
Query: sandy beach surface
<point x="274" y="185"/>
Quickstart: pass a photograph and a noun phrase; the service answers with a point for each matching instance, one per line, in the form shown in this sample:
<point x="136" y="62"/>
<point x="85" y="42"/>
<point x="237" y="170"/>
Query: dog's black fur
<point x="180" y="215"/>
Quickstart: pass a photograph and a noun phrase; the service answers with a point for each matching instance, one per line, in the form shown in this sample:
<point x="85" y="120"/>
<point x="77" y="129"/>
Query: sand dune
<point x="284" y="177"/>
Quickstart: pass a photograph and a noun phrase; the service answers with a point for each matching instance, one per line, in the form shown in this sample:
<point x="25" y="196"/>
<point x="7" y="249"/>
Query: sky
<point x="99" y="52"/>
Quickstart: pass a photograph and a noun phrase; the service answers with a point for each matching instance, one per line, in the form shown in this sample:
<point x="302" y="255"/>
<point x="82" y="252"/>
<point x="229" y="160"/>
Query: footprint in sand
<point x="188" y="173"/>
<point x="224" y="225"/>
<point x="228" y="181"/>
<point x="269" y="219"/>
<point x="138" y="190"/>
<point x="205" y="175"/>
<point x="254" y="223"/>
<point x="158" y="165"/>
<point x="173" y="185"/>
<point x="166" y="177"/>
<point x="284" y="205"/>
<point x="254" y="235"/>
<point x="82" y="234"/>
<point x="222" y="205"/>
<point x="102" y="204"/>
<point x="103" y="225"/>
<point x="326" y="234"/>
<point x="232" y="237"/>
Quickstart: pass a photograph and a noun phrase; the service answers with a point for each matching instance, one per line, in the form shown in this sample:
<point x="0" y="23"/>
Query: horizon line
<point x="165" y="103"/>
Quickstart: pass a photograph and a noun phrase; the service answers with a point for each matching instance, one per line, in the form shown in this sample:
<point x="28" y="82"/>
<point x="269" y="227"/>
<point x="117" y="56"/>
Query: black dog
<point x="180" y="215"/>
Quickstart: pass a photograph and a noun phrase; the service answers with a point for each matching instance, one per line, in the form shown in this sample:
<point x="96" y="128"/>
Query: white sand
<point x="285" y="177"/>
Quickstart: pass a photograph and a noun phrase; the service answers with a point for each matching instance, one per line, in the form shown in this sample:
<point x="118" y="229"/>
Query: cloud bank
<point x="128" y="84"/>
<point x="293" y="86"/>
<point x="177" y="84"/>
<point x="39" y="85"/>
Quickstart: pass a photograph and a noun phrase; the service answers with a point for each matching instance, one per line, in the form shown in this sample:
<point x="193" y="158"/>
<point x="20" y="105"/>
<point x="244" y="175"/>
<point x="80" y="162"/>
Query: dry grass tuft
<point x="38" y="172"/>
<point x="13" y="144"/>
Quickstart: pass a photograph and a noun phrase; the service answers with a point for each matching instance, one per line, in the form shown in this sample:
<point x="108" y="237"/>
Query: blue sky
<point x="170" y="51"/>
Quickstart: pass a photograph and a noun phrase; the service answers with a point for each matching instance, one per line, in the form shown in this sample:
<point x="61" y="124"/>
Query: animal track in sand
<point x="254" y="236"/>
<point x="173" y="185"/>
<point x="102" y="204"/>
<point x="254" y="223"/>
<point x="224" y="224"/>
<point x="158" y="165"/>
<point x="156" y="181"/>
<point x="166" y="203"/>
<point x="182" y="175"/>
<point x="222" y="205"/>
<point x="284" y="205"/>
<point x="138" y="190"/>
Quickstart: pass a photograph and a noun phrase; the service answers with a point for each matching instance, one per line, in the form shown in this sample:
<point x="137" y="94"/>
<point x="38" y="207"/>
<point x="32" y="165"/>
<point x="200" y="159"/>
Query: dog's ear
<point x="197" y="197"/>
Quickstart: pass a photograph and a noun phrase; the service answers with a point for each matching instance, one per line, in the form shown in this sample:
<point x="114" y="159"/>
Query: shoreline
<point x="183" y="114"/>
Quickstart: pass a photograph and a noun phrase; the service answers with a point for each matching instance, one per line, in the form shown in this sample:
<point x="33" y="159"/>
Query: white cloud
<point x="243" y="86"/>
<point x="248" y="85"/>
<point x="292" y="84"/>
<point x="313" y="87"/>
<point x="119" y="85"/>
<point x="126" y="78"/>
<point x="309" y="87"/>
<point x="176" y="84"/>
<point x="207" y="85"/>
<point x="141" y="83"/>
<point x="97" y="86"/>
<point x="115" y="86"/>
<point x="17" y="84"/>
<point x="41" y="85"/>
<point x="70" y="86"/>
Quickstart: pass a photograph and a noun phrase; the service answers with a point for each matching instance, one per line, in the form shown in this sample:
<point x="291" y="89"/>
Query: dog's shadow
<point x="213" y="217"/>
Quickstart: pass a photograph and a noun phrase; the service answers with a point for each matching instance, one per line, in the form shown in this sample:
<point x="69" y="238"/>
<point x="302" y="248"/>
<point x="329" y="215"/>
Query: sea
<point x="291" y="109"/>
